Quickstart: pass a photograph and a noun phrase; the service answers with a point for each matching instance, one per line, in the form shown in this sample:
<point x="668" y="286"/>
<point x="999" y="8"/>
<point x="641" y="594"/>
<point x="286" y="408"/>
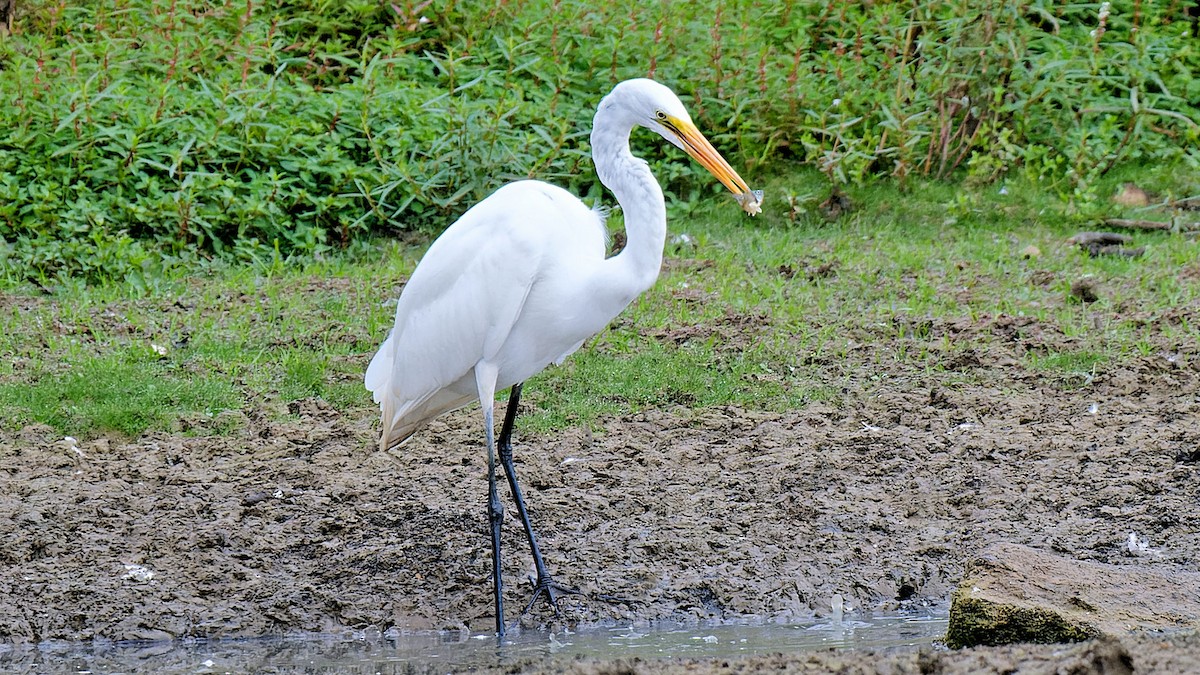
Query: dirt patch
<point x="880" y="495"/>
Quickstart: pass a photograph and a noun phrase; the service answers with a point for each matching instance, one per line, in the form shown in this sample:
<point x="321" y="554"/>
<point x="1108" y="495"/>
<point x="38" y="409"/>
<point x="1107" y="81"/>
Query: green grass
<point x="770" y="313"/>
<point x="598" y="382"/>
<point x="234" y="338"/>
<point x="1081" y="362"/>
<point x="115" y="392"/>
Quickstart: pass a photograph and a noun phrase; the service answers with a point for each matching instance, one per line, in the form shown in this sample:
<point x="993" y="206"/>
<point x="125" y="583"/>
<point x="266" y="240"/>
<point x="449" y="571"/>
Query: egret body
<point x="521" y="280"/>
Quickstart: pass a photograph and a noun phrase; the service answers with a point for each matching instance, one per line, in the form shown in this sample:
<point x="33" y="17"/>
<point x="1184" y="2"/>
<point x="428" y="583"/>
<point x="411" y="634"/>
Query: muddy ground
<point x="880" y="494"/>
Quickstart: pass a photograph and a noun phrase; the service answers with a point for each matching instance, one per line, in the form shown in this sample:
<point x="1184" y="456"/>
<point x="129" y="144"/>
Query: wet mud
<point x="880" y="494"/>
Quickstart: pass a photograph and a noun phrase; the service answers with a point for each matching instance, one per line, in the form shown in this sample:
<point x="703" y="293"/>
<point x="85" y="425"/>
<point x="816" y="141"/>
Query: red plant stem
<point x="658" y="31"/>
<point x="716" y="55"/>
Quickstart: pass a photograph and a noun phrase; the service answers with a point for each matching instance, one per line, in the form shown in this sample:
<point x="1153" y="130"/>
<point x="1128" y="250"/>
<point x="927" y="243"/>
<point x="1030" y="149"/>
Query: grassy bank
<point x="770" y="313"/>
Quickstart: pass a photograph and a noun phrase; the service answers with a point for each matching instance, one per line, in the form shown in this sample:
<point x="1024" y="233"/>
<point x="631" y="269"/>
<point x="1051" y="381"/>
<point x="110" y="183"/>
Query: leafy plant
<point x="149" y="133"/>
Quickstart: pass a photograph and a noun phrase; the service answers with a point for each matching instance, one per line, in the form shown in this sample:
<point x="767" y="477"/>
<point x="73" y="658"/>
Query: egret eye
<point x="662" y="116"/>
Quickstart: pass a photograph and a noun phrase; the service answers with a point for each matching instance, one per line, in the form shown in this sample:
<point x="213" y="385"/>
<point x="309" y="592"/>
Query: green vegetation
<point x="200" y="201"/>
<point x="766" y="314"/>
<point x="144" y="135"/>
<point x="95" y="359"/>
<point x="123" y="393"/>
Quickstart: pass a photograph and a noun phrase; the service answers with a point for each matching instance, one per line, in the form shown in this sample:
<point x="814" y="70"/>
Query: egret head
<point x="649" y="104"/>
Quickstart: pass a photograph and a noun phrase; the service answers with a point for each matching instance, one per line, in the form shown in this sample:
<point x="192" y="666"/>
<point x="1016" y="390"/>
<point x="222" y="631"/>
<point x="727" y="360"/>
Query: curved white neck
<point x="641" y="199"/>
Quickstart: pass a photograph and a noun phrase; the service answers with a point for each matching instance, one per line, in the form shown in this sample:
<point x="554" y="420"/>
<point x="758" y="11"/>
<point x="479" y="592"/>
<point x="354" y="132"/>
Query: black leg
<point x="495" y="516"/>
<point x="544" y="584"/>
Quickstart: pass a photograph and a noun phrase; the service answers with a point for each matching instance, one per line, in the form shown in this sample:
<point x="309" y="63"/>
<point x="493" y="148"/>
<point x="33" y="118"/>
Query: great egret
<point x="521" y="281"/>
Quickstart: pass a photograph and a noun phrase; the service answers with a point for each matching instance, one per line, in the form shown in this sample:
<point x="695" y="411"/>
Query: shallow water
<point x="450" y="651"/>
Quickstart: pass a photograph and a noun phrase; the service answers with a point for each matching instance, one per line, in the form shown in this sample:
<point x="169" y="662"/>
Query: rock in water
<point x="1014" y="593"/>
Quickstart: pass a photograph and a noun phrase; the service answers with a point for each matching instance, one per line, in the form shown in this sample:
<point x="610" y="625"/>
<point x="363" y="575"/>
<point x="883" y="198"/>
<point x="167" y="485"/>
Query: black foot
<point x="552" y="590"/>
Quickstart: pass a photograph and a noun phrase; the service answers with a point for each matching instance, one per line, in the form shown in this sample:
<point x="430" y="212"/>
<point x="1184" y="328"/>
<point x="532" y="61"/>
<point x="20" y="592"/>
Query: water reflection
<point x="428" y="652"/>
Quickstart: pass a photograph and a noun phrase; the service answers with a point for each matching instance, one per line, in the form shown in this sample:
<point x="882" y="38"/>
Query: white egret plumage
<point x="521" y="280"/>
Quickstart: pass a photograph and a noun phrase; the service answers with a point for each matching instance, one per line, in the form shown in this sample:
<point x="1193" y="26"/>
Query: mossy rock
<point x="1013" y="593"/>
<point x="977" y="621"/>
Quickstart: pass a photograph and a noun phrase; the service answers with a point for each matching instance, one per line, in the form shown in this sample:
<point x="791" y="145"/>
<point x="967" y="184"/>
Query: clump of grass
<point x="1082" y="362"/>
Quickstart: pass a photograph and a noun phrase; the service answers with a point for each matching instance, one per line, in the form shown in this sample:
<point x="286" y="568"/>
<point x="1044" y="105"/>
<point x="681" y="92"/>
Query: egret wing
<point x="456" y="310"/>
